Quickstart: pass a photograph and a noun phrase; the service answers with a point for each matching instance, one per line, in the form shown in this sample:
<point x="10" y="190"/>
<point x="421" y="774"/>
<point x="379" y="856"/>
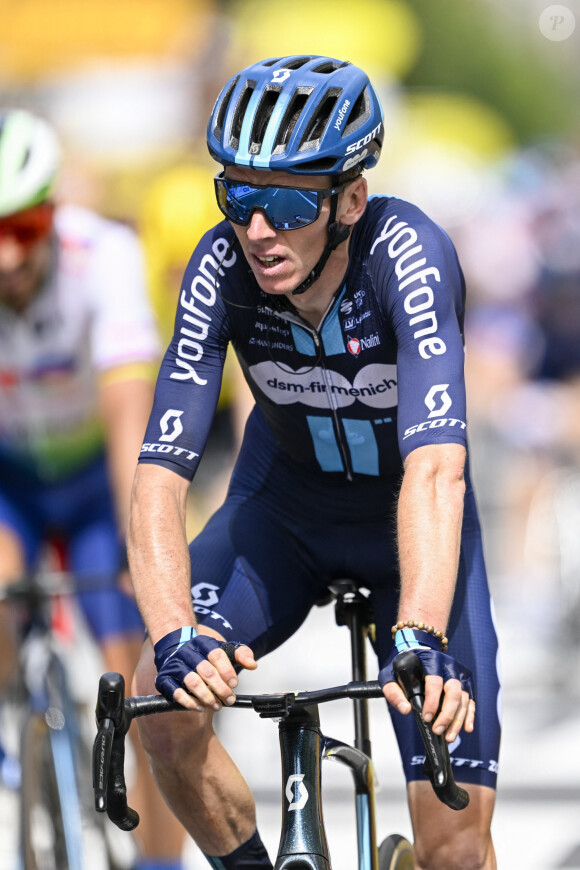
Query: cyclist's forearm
<point x="430" y="515"/>
<point x="158" y="552"/>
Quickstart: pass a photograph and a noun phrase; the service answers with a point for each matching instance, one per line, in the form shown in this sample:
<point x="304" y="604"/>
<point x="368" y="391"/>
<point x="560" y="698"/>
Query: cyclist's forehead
<point x="277" y="179"/>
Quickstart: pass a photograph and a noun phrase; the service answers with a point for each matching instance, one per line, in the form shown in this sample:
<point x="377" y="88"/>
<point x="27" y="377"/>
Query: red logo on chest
<point x="353" y="346"/>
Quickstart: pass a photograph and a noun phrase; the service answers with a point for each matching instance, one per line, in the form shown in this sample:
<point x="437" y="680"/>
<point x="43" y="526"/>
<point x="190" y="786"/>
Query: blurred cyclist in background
<point x="78" y="351"/>
<point x="346" y="314"/>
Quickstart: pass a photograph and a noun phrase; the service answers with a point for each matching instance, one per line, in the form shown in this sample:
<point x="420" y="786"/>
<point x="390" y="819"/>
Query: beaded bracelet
<point x="421" y="626"/>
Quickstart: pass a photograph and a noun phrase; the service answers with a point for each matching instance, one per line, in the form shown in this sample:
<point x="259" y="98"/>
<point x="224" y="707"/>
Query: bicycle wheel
<point x="395" y="853"/>
<point x="50" y="820"/>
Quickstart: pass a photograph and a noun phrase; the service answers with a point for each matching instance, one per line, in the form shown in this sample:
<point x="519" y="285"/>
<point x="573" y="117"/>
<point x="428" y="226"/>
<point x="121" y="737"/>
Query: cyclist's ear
<point x="353" y="201"/>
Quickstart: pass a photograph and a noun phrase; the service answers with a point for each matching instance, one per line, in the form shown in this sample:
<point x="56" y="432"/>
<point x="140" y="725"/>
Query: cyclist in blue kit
<point x="346" y="315"/>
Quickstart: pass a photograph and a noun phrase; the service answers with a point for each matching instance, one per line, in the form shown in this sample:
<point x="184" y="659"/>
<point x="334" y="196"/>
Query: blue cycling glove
<point x="180" y="652"/>
<point x="435" y="662"/>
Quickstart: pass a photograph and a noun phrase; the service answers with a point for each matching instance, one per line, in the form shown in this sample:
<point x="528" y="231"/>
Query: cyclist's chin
<point x="281" y="284"/>
<point x="18" y="288"/>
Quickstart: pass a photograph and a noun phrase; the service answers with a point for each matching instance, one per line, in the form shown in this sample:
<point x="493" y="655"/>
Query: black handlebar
<point x="114" y="714"/>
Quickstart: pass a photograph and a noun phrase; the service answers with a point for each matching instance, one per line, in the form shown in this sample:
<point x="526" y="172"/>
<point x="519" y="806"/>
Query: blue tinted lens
<point x="287" y="208"/>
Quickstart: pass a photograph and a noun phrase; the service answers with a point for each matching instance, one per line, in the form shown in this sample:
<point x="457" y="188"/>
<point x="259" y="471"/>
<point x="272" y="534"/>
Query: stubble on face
<point x="22" y="280"/>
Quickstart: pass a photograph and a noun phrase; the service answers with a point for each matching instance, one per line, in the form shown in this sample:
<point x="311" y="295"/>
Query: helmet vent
<point x="320" y="119"/>
<point x="26" y="157"/>
<point x="329" y="66"/>
<point x="239" y="113"/>
<point x="323" y="164"/>
<point x="263" y="115"/>
<point x="297" y="62"/>
<point x="290" y="119"/>
<point x="223" y="107"/>
<point x="271" y="62"/>
<point x="359" y="114"/>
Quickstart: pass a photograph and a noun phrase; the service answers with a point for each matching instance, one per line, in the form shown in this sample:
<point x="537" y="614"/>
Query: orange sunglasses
<point x="30" y="225"/>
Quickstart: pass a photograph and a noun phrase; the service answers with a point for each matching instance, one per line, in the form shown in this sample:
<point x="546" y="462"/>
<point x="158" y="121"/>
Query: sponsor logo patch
<point x="374" y="385"/>
<point x="445" y="403"/>
<point x="171" y="416"/>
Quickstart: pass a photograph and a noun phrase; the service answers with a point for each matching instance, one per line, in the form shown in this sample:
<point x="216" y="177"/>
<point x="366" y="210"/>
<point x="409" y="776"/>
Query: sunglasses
<point x="287" y="208"/>
<point x="28" y="226"/>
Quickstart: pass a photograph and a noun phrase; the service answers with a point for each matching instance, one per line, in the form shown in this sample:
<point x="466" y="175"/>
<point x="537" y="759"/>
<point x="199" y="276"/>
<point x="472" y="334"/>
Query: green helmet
<point x="29" y="160"/>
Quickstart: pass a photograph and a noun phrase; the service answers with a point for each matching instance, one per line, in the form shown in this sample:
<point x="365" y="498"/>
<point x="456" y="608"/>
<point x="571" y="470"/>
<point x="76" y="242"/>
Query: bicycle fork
<point x="303" y="840"/>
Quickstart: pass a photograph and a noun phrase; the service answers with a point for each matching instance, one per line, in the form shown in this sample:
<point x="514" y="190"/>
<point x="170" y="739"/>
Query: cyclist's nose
<point x="12" y="254"/>
<point x="259" y="226"/>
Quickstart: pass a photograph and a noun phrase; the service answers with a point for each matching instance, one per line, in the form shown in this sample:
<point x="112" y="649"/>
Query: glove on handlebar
<point x="434" y="663"/>
<point x="180" y="652"/>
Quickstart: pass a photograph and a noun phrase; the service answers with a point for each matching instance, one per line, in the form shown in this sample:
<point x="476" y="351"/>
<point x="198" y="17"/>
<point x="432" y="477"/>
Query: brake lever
<point x="109" y="753"/>
<point x="408" y="670"/>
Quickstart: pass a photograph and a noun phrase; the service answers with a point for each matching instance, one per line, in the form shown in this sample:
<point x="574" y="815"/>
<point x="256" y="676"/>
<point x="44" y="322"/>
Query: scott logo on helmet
<point x="365" y="141"/>
<point x="280" y="75"/>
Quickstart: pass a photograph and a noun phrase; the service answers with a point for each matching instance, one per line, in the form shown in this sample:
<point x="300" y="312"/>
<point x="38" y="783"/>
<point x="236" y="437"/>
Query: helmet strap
<point x="337" y="234"/>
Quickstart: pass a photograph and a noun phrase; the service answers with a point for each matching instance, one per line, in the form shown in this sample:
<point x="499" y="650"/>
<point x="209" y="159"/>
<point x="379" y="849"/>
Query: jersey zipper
<point x="337" y="422"/>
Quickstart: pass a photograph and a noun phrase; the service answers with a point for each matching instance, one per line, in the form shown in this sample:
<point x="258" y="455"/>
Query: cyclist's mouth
<point x="268" y="264"/>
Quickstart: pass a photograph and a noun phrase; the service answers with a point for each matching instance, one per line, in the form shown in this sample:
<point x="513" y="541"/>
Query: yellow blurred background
<point x="480" y="103"/>
<point x="481" y="131"/>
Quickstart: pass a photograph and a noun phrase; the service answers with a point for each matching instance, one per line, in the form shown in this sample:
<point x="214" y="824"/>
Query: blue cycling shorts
<point x="282" y="536"/>
<point x="80" y="510"/>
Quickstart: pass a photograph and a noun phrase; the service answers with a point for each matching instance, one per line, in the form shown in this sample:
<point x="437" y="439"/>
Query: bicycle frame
<point x="302" y="748"/>
<point x="49" y="699"/>
<point x="352" y="610"/>
<point x="50" y="739"/>
<point x="303" y="838"/>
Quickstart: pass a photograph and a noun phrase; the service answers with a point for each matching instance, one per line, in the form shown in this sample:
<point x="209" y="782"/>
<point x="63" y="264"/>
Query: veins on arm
<point x="158" y="551"/>
<point x="430" y="515"/>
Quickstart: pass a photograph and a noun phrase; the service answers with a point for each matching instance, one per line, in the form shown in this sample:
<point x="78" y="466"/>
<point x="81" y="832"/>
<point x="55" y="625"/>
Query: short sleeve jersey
<point x="91" y="315"/>
<point x="380" y="376"/>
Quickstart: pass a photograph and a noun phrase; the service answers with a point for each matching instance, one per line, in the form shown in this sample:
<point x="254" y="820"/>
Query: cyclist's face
<point x="24" y="257"/>
<point x="281" y="259"/>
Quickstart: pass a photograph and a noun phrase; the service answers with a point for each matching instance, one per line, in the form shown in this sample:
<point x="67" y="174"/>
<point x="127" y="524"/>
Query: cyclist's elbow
<point x="157" y="490"/>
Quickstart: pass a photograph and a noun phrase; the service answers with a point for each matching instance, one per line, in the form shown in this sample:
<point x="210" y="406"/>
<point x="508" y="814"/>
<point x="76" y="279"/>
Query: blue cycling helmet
<point x="305" y="114"/>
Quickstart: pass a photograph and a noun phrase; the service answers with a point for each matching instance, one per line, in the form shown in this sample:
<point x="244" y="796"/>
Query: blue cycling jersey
<point x="382" y="374"/>
<point x="313" y="494"/>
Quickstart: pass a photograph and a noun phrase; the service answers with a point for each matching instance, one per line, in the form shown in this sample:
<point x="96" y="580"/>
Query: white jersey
<point x="91" y="315"/>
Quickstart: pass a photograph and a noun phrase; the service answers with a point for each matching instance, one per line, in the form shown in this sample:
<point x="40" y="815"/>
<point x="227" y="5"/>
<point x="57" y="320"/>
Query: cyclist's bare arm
<point x="160" y="569"/>
<point x="430" y="514"/>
